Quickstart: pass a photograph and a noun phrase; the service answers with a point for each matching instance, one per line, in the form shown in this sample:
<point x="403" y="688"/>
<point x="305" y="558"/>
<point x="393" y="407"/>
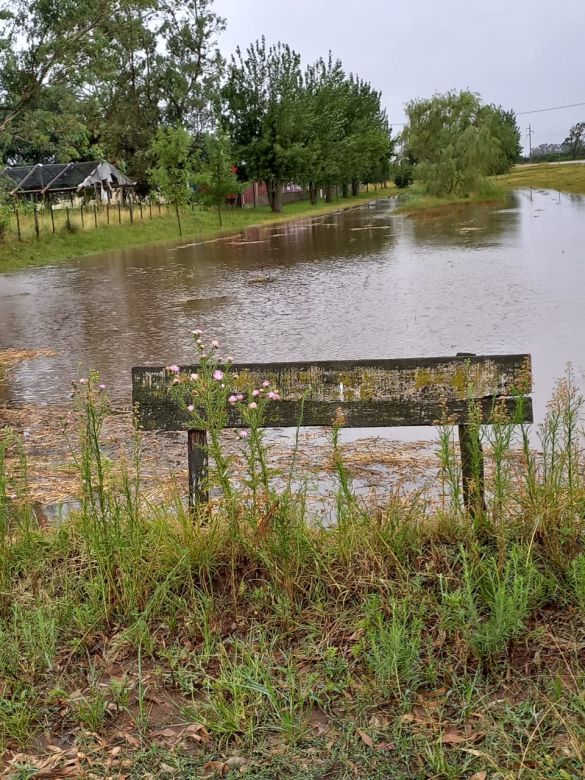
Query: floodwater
<point x="364" y="283"/>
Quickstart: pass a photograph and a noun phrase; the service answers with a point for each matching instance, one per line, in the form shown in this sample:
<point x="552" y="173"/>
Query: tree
<point x="174" y="166"/>
<point x="455" y="141"/>
<point x="504" y="127"/>
<point x="217" y="178"/>
<point x="53" y="129"/>
<point x="262" y="111"/>
<point x="366" y="146"/>
<point x="575" y="142"/>
<point x="191" y="66"/>
<point x="81" y="75"/>
<point x="323" y="125"/>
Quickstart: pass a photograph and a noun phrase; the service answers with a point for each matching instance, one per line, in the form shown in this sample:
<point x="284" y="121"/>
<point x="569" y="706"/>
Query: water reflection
<point x="471" y="225"/>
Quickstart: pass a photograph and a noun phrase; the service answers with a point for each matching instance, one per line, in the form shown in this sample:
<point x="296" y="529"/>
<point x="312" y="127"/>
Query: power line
<point x="554" y="108"/>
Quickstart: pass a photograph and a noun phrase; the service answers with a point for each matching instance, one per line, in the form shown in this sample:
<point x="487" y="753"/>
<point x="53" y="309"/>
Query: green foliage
<point x="393" y="644"/>
<point x="455" y="142"/>
<point x="403" y="174"/>
<point x="217" y="179"/>
<point x="320" y="128"/>
<point x="494" y="603"/>
<point x="346" y="133"/>
<point x="574" y="143"/>
<point x="6" y="211"/>
<point x="262" y="111"/>
<point x="577" y="580"/>
<point x="174" y="164"/>
<point x="91" y="79"/>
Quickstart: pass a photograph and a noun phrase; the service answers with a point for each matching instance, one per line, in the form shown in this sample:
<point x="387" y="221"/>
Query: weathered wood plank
<point x="383" y="393"/>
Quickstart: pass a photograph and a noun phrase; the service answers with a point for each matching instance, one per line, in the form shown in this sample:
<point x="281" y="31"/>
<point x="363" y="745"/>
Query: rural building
<point x="36" y="182"/>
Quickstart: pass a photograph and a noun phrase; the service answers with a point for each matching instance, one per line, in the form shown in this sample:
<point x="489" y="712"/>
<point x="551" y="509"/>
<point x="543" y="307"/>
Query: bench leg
<point x="472" y="469"/>
<point x="197" y="459"/>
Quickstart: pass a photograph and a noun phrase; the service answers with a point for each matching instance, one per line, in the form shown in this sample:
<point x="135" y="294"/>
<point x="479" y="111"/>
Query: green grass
<point x="415" y="201"/>
<point x="198" y="224"/>
<point x="550" y="176"/>
<point x="406" y="642"/>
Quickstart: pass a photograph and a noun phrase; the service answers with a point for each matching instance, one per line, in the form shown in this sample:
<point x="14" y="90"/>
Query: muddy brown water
<point x="364" y="283"/>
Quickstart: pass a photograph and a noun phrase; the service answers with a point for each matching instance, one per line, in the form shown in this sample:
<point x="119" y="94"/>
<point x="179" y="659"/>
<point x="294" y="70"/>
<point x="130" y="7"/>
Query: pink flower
<point x="190" y="408"/>
<point x="255" y="393"/>
<point x="243" y="434"/>
<point x="232" y="400"/>
<point x="229" y="359"/>
<point x="102" y="387"/>
<point x="273" y="395"/>
<point x="174" y="369"/>
<point x="194" y="377"/>
<point x="218" y="375"/>
<point x="266" y="383"/>
<point x="215" y="344"/>
<point x="239" y="397"/>
<point x="83" y="381"/>
<point x="197" y="332"/>
<point x="253" y="405"/>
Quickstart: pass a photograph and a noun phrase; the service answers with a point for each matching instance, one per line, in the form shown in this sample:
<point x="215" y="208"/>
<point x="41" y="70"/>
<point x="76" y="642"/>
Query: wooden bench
<point x="370" y="393"/>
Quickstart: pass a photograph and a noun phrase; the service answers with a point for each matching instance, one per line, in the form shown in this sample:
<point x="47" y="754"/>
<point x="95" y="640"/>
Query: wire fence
<point x="30" y="221"/>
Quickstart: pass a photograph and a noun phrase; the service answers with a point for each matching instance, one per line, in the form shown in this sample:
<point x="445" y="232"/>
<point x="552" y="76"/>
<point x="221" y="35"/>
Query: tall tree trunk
<point x="178" y="218"/>
<point x="274" y="191"/>
<point x="328" y="194"/>
<point x="345" y="190"/>
<point x="219" y="213"/>
<point x="355" y="187"/>
<point x="277" y="196"/>
<point x="313" y="193"/>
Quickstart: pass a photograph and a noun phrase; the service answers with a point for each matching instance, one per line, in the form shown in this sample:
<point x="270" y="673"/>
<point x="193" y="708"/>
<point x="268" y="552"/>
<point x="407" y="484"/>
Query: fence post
<point x="36" y="217"/>
<point x="131" y="211"/>
<point x="108" y="213"/>
<point x="472" y="465"/>
<point x="52" y="217"/>
<point x="95" y="214"/>
<point x="159" y="208"/>
<point x="81" y="212"/>
<point x="17" y="222"/>
<point x="150" y="208"/>
<point x="119" y="213"/>
<point x="68" y="218"/>
<point x="140" y="207"/>
<point x="197" y="459"/>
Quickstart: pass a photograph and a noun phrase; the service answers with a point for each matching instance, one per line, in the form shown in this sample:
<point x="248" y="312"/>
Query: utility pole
<point x="530" y="132"/>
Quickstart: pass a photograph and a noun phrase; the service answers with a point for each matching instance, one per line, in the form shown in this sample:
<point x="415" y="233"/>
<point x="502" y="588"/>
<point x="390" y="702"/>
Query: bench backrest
<point x="370" y="393"/>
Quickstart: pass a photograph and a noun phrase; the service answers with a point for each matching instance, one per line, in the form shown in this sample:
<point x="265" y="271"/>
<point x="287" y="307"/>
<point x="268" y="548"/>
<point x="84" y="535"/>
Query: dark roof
<point x="59" y="177"/>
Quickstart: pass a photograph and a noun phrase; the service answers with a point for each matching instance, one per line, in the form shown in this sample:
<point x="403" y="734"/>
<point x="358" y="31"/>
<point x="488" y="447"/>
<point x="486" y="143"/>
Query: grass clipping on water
<point x="406" y="641"/>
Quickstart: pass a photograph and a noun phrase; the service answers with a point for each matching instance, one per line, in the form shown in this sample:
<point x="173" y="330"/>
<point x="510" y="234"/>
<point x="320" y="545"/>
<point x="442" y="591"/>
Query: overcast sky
<point x="522" y="55"/>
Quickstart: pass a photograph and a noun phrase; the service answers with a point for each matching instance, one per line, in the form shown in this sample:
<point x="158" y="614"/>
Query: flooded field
<point x="359" y="284"/>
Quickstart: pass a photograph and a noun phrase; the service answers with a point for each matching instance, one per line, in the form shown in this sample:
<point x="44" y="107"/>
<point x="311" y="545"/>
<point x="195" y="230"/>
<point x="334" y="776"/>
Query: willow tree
<point x="454" y="141"/>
